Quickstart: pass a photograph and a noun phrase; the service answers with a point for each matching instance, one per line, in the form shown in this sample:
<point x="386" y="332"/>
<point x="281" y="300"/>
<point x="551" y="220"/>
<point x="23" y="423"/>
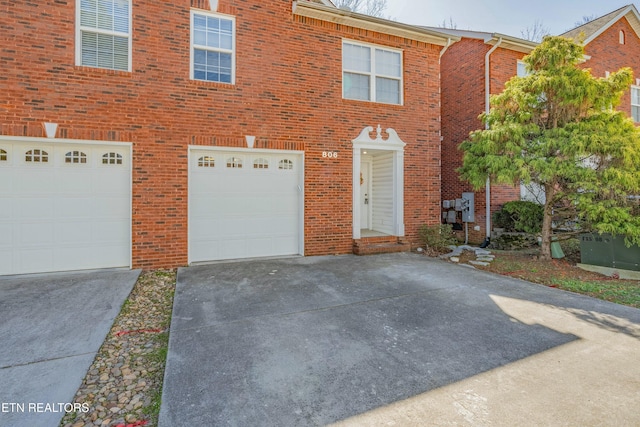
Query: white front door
<point x="365" y="194"/>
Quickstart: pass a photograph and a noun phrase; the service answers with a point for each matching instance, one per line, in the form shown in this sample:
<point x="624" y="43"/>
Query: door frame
<point x="392" y="144"/>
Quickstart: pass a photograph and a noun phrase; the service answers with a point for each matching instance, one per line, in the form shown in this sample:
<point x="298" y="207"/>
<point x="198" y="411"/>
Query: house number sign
<point x="329" y="154"/>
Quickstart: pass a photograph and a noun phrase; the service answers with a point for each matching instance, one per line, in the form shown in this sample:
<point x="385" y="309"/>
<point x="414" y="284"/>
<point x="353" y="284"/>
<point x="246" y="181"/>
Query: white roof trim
<point x="366" y="22"/>
<point x="624" y="12"/>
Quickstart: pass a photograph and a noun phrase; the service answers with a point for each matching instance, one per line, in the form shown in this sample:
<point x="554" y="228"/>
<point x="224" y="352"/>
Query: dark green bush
<point x="519" y="216"/>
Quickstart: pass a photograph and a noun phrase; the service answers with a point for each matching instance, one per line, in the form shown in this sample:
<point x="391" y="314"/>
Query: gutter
<point x="444" y="49"/>
<point x="487" y="89"/>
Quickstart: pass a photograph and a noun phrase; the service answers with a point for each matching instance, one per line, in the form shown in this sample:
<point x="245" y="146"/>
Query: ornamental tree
<point x="558" y="128"/>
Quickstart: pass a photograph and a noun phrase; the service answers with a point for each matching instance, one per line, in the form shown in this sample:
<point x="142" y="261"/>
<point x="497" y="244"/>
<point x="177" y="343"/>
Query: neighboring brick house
<point x="611" y="42"/>
<point x="180" y="132"/>
<point x="467" y="82"/>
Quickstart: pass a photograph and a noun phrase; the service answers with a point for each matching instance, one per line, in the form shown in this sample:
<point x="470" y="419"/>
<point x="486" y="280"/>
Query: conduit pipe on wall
<point x="487" y="94"/>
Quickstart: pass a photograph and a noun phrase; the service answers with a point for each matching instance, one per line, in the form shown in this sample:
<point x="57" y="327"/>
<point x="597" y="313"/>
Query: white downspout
<point x="444" y="49"/>
<point x="487" y="94"/>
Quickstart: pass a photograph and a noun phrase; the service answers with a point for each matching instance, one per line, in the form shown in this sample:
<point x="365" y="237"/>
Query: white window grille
<point x="371" y="73"/>
<point x="75" y="157"/>
<point x="635" y="103"/>
<point x="285" y="164"/>
<point x="234" y="162"/>
<point x="112" y="159"/>
<point x="212" y="47"/>
<point x="36" y="156"/>
<point x="104" y="34"/>
<point x="261" y="163"/>
<point x="206" y="162"/>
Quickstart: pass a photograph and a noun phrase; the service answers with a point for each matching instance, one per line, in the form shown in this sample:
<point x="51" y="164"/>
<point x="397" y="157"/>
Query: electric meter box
<point x="468" y="207"/>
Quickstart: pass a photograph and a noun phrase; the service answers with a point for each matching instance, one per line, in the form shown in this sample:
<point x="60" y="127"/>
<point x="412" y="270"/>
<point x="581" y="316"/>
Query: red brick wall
<point x="463" y="100"/>
<point x="607" y="54"/>
<point x="288" y="93"/>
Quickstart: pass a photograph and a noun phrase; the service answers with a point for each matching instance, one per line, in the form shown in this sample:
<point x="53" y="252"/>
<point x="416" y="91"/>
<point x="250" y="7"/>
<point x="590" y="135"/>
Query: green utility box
<point x="608" y="251"/>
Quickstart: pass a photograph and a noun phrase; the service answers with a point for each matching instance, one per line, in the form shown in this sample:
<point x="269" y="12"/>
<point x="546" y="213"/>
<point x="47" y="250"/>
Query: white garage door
<point x="244" y="204"/>
<point x="64" y="206"/>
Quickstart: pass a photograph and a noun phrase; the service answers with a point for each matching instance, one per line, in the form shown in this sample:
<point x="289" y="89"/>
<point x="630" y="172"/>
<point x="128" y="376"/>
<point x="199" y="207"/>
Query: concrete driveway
<point x="395" y="339"/>
<point x="51" y="327"/>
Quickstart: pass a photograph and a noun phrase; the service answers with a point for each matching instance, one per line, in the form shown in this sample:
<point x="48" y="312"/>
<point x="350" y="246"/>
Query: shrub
<point x="437" y="238"/>
<point x="519" y="216"/>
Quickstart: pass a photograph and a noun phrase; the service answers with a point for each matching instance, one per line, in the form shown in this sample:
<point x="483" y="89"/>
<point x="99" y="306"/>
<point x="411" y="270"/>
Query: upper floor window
<point x="622" y="37"/>
<point x="212" y="47"/>
<point x="371" y="73"/>
<point x="635" y="103"/>
<point x="104" y="34"/>
<point x="522" y="69"/>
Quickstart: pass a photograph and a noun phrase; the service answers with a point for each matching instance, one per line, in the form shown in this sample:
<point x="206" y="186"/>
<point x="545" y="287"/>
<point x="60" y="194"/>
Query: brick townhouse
<point x="479" y="65"/>
<point x="145" y="134"/>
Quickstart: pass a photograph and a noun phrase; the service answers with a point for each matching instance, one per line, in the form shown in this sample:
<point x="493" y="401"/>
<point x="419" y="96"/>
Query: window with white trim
<point x="75" y="157"/>
<point x="635" y="103"/>
<point x="261" y="163"/>
<point x="285" y="164"/>
<point x="206" y="162"/>
<point x="104" y="34"/>
<point x="111" y="159"/>
<point x="371" y="73"/>
<point x="212" y="47"/>
<point x="234" y="163"/>
<point x="522" y="69"/>
<point x="36" y="156"/>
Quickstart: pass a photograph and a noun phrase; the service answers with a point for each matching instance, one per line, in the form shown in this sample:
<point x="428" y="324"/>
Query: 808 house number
<point x="329" y="154"/>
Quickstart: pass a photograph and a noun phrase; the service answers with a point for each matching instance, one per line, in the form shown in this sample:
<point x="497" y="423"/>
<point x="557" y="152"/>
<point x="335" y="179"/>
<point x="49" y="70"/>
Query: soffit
<point x="365" y="22"/>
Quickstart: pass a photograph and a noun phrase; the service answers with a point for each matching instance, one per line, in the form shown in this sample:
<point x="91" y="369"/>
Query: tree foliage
<point x="558" y="128"/>
<point x="368" y="7"/>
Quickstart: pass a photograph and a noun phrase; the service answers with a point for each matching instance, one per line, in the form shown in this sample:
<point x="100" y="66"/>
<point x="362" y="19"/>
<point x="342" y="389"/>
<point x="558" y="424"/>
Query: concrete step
<point x="380" y="245"/>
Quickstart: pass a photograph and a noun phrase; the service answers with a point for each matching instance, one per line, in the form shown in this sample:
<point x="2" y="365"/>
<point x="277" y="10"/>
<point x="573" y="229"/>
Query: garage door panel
<point x="109" y="232"/>
<point x="6" y="259"/>
<point x="62" y="215"/>
<point x="111" y="181"/>
<point x="6" y="237"/>
<point x="111" y="207"/>
<point x="35" y="234"/>
<point x="72" y="207"/>
<point x="73" y="182"/>
<point x="248" y="212"/>
<point x="6" y="208"/>
<point x="34" y="207"/>
<point x="36" y="179"/>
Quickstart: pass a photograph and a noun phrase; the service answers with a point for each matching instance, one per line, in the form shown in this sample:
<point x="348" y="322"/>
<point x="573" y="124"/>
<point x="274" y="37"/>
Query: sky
<point x="509" y="17"/>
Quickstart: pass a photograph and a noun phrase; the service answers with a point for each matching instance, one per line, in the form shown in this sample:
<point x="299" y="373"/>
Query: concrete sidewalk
<point x="395" y="339"/>
<point x="51" y="327"/>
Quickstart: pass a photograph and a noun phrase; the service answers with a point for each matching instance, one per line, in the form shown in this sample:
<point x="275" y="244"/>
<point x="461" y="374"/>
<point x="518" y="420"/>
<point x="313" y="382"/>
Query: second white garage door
<point x="64" y="205"/>
<point x="244" y="204"/>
